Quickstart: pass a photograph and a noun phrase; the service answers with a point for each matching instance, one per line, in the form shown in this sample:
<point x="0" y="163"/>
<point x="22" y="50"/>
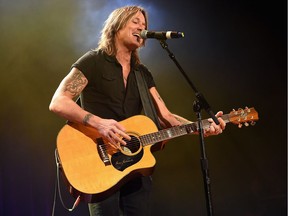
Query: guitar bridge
<point x="101" y="147"/>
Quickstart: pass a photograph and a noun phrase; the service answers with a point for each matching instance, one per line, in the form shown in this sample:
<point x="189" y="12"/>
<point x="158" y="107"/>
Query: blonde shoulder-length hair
<point x="116" y="21"/>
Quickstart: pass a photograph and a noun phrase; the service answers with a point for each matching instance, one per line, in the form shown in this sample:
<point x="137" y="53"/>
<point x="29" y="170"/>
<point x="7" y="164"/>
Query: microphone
<point x="161" y="34"/>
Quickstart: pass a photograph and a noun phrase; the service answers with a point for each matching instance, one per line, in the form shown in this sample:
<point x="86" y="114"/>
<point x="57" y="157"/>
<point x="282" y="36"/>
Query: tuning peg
<point x="252" y="123"/>
<point x="240" y="125"/>
<point x="246" y="124"/>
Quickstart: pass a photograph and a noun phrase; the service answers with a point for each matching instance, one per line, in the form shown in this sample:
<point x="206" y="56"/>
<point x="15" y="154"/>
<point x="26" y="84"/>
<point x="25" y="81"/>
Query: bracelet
<point x="86" y="118"/>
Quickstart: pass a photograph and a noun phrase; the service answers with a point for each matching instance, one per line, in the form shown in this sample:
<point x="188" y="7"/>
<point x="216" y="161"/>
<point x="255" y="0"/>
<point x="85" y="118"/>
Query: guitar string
<point x="136" y="142"/>
<point x="151" y="138"/>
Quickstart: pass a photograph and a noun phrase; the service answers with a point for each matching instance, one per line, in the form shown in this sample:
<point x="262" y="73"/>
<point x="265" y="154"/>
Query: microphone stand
<point x="198" y="105"/>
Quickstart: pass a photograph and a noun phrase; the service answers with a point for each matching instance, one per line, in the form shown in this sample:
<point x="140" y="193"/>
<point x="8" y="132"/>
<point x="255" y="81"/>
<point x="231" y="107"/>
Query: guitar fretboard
<point x="175" y="131"/>
<point x="162" y="135"/>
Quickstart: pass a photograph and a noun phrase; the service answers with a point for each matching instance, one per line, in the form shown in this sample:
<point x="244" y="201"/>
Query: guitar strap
<point x="148" y="106"/>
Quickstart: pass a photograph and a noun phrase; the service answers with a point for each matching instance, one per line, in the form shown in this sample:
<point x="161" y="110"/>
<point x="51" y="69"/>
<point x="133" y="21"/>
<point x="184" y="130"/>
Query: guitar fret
<point x="169" y="133"/>
<point x="147" y="139"/>
<point x="178" y="131"/>
<point x="143" y="140"/>
<point x="163" y="135"/>
<point x="150" y="138"/>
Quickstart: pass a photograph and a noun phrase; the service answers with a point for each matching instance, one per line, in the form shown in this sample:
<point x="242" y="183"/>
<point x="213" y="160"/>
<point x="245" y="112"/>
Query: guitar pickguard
<point x="121" y="161"/>
<point x="130" y="154"/>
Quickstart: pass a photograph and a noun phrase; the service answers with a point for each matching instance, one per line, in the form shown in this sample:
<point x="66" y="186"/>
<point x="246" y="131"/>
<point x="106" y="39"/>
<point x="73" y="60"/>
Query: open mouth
<point x="137" y="35"/>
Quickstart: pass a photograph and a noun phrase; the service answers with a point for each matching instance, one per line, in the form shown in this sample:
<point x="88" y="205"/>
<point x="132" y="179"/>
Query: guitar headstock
<point x="248" y="116"/>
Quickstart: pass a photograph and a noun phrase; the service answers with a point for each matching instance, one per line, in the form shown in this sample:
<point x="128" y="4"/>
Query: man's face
<point x="129" y="35"/>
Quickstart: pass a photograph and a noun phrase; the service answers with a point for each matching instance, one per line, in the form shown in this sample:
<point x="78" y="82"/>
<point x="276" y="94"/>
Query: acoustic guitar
<point x="93" y="169"/>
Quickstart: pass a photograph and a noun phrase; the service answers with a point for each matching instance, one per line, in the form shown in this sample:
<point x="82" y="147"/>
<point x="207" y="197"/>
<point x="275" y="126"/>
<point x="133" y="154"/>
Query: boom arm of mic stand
<point x="203" y="102"/>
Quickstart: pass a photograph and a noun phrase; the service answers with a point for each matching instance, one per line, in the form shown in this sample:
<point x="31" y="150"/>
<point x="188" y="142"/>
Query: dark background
<point x="233" y="51"/>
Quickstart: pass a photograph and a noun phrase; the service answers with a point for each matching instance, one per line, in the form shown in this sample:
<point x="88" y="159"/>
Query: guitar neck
<point x="176" y="131"/>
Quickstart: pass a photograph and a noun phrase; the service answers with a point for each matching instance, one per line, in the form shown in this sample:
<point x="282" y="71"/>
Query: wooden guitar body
<point x="90" y="175"/>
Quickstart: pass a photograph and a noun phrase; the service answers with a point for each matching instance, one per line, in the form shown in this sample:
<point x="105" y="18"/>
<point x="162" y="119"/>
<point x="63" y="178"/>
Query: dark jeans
<point x="133" y="199"/>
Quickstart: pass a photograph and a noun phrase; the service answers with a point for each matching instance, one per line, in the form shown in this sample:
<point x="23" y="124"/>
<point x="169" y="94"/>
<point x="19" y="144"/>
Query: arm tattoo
<point x="181" y="119"/>
<point x="160" y="98"/>
<point x="86" y="118"/>
<point x="76" y="83"/>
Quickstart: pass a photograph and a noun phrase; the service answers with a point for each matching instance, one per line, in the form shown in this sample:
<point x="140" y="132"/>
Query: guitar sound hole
<point x="132" y="145"/>
<point x="130" y="154"/>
